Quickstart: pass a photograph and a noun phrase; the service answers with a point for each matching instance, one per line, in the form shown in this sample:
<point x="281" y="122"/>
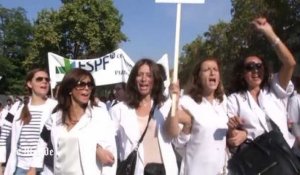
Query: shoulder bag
<point x="127" y="166"/>
<point x="267" y="154"/>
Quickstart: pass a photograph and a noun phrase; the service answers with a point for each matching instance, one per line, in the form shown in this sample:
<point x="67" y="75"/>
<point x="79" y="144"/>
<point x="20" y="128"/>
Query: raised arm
<point x="181" y="117"/>
<point x="283" y="53"/>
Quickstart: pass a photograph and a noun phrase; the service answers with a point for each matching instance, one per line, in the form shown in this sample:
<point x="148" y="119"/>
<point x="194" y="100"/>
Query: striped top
<point x="30" y="134"/>
<point x="5" y="130"/>
<point x="26" y="145"/>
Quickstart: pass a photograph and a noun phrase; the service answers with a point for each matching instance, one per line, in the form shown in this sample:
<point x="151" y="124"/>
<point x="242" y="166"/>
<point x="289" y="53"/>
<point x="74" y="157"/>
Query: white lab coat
<point x="97" y="130"/>
<point x="16" y="131"/>
<point x="271" y="103"/>
<point x="205" y="148"/>
<point x="129" y="133"/>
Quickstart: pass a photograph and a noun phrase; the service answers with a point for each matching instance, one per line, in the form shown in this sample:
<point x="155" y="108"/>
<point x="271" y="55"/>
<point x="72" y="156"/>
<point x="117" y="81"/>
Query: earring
<point x="70" y="93"/>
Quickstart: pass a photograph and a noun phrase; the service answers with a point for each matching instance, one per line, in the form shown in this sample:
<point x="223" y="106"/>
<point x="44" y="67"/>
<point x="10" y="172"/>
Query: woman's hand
<point x="174" y="88"/>
<point x="236" y="137"/>
<point x="31" y="171"/>
<point x="261" y="24"/>
<point x="234" y="123"/>
<point x="104" y="156"/>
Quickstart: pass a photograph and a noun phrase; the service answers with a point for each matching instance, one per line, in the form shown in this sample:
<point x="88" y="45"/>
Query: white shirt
<point x="205" y="151"/>
<point x="16" y="128"/>
<point x="294" y="113"/>
<point x="271" y="103"/>
<point x="3" y="114"/>
<point x="102" y="104"/>
<point x="95" y="127"/>
<point x="128" y="135"/>
<point x="67" y="156"/>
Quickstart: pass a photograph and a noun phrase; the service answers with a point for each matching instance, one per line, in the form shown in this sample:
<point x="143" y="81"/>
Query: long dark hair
<point x="25" y="116"/>
<point x="195" y="91"/>
<point x="133" y="97"/>
<point x="68" y="83"/>
<point x="239" y="84"/>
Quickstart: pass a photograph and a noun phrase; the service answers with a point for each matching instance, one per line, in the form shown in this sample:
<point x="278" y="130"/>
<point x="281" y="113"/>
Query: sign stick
<point x="176" y="56"/>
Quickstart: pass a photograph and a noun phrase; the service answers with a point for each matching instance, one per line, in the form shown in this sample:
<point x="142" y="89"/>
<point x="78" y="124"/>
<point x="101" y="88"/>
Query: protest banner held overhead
<point x="109" y="69"/>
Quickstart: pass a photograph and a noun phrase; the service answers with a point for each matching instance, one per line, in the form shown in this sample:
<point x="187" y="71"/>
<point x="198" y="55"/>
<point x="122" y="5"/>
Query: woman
<point x="25" y="122"/>
<point x="294" y="110"/>
<point x="144" y="89"/>
<point x="257" y="95"/>
<point x="79" y="129"/>
<point x="202" y="113"/>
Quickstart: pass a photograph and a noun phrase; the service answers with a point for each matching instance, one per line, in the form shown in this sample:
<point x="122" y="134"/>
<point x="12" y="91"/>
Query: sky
<point x="149" y="26"/>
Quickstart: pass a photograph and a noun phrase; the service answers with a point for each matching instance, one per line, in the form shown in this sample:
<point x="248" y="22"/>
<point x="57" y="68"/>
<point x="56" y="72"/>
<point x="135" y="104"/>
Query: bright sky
<point x="149" y="26"/>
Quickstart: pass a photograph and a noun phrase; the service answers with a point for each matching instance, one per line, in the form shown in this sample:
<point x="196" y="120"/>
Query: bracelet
<point x="276" y="42"/>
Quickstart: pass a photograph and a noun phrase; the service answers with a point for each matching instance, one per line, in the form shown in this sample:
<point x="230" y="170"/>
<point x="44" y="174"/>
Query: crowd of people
<point x="76" y="133"/>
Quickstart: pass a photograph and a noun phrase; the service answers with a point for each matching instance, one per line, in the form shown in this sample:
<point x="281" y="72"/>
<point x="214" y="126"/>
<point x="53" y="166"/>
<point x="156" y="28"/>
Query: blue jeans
<point x="21" y="171"/>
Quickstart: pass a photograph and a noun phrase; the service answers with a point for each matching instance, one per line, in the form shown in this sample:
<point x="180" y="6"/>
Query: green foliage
<point x="15" y="37"/>
<point x="80" y="29"/>
<point x="237" y="39"/>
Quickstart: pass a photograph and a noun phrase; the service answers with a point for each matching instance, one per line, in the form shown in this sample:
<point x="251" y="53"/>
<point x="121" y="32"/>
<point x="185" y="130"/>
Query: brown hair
<point x="238" y="83"/>
<point x="68" y="83"/>
<point x="133" y="96"/>
<point x="196" y="89"/>
<point x="25" y="116"/>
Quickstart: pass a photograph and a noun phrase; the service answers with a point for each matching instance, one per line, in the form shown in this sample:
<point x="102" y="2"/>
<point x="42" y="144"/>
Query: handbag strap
<point x="150" y="116"/>
<point x="273" y="124"/>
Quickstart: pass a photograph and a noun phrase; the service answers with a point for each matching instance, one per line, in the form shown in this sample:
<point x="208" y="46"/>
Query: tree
<point x="79" y="29"/>
<point x="15" y="36"/>
<point x="213" y="45"/>
<point x="237" y="39"/>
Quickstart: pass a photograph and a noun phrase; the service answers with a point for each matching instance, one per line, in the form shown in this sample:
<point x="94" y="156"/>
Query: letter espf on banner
<point x="109" y="69"/>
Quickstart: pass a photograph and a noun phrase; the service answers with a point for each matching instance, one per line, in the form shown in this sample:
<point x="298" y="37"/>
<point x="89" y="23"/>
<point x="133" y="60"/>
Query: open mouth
<point x="212" y="80"/>
<point x="255" y="76"/>
<point x="144" y="86"/>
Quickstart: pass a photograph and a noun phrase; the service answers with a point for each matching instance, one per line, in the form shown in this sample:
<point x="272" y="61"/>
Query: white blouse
<point x="272" y="103"/>
<point x="128" y="134"/>
<point x="68" y="153"/>
<point x="294" y="113"/>
<point x="205" y="151"/>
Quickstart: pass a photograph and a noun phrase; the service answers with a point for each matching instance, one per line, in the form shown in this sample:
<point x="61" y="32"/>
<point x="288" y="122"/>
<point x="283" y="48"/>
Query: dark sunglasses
<point x="253" y="66"/>
<point x="81" y="85"/>
<point x="40" y="79"/>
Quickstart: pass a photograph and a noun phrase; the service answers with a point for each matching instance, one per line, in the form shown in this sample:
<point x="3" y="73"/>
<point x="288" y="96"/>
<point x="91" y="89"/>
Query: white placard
<point x="109" y="69"/>
<point x="181" y="1"/>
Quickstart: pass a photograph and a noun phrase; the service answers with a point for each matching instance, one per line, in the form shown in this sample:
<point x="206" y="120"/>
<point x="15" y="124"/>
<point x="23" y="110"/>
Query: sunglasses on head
<point x="81" y="85"/>
<point x="40" y="79"/>
<point x="253" y="66"/>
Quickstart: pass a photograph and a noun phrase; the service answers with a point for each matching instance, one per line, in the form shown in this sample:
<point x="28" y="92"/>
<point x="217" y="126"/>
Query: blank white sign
<point x="181" y="1"/>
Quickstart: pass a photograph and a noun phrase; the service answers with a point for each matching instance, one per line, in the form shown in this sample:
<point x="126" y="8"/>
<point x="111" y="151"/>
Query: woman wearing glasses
<point x="258" y="96"/>
<point x="25" y="122"/>
<point x="79" y="130"/>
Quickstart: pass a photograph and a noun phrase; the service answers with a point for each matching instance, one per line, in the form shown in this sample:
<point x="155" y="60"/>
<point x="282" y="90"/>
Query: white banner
<point x="109" y="69"/>
<point x="165" y="62"/>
